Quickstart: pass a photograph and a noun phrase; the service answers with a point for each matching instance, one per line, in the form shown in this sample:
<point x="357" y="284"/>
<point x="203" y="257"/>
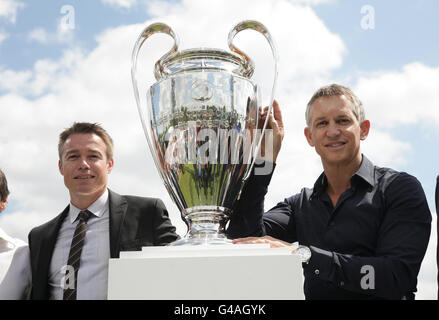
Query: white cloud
<point x="14" y="81"/>
<point x="311" y="2"/>
<point x="9" y="9"/>
<point x="39" y="35"/>
<point x="44" y="76"/>
<point x="62" y="35"/>
<point x="396" y="152"/>
<point x="120" y="3"/>
<point x="395" y="98"/>
<point x="3" y="36"/>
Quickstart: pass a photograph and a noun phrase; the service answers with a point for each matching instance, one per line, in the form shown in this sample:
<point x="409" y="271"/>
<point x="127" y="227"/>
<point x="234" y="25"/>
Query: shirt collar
<point x="365" y="172"/>
<point x="97" y="208"/>
<point x="319" y="185"/>
<point x="5" y="239"/>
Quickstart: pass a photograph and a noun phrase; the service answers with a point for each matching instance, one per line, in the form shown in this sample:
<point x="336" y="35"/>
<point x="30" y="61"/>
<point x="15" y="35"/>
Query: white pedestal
<point x="234" y="272"/>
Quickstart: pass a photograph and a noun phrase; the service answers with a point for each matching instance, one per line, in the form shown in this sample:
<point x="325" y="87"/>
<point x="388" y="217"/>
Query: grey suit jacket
<point x="134" y="222"/>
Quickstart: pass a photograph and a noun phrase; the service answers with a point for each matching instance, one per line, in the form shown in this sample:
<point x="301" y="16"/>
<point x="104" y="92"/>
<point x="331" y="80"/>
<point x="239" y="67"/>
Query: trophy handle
<point x="257" y="26"/>
<point x="146" y="33"/>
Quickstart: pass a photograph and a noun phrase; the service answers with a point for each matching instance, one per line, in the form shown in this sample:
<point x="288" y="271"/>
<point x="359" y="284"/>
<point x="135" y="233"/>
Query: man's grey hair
<point x="336" y="90"/>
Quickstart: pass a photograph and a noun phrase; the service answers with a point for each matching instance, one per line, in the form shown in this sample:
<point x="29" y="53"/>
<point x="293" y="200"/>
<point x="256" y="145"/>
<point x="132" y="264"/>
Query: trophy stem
<point x="206" y="226"/>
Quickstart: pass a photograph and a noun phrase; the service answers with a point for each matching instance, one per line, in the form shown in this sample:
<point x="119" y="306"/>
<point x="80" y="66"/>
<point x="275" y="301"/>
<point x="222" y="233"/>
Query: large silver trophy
<point x="200" y="119"/>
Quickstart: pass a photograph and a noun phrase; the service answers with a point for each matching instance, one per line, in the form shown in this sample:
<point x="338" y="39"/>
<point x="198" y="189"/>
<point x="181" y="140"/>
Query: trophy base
<point x="206" y="227"/>
<point x="201" y="241"/>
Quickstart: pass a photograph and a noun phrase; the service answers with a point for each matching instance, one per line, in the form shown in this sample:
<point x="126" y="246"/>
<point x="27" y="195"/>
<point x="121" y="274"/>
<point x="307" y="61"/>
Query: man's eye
<point x="344" y="121"/>
<point x="321" y="123"/>
<point x="72" y="157"/>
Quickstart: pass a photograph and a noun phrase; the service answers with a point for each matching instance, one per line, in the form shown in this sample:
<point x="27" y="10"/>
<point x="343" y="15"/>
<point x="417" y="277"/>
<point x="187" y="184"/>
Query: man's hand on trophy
<point x="273" y="242"/>
<point x="274" y="134"/>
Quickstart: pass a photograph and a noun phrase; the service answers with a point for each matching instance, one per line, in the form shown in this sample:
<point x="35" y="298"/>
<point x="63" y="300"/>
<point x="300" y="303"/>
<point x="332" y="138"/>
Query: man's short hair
<point x="84" y="128"/>
<point x="336" y="90"/>
<point x="4" y="191"/>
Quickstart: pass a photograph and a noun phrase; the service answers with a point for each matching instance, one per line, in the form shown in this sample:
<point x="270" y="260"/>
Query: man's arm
<point x="18" y="280"/>
<point x="402" y="241"/>
<point x="246" y="218"/>
<point x="163" y="228"/>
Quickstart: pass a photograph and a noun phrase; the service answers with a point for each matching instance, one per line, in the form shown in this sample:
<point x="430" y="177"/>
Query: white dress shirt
<point x="15" y="270"/>
<point x="92" y="282"/>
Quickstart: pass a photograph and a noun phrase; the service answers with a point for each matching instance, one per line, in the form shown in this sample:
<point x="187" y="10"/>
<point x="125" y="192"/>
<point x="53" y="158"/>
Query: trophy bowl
<point x="201" y="122"/>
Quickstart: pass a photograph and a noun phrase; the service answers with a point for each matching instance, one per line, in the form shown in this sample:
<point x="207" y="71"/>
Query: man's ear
<point x="365" y="127"/>
<point x="110" y="165"/>
<point x="60" y="167"/>
<point x="308" y="136"/>
<point x="3" y="204"/>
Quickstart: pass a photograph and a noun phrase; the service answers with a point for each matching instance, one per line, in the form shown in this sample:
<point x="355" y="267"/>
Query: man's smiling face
<point x="335" y="131"/>
<point x="85" y="166"/>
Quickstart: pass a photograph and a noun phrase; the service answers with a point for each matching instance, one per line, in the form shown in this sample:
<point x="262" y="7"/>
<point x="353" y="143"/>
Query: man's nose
<point x="333" y="130"/>
<point x="83" y="164"/>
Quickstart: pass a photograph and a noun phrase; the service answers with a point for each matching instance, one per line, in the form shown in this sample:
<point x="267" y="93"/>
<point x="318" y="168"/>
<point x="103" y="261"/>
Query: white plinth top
<point x="206" y="251"/>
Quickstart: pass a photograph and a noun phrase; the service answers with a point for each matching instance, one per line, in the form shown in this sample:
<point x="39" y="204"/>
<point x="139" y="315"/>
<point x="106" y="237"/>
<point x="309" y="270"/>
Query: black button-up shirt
<point x="369" y="245"/>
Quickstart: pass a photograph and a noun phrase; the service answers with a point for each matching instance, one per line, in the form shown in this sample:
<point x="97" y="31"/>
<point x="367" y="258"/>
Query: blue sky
<point x="91" y="17"/>
<point x="48" y="79"/>
<point x="404" y="32"/>
<point x="399" y="38"/>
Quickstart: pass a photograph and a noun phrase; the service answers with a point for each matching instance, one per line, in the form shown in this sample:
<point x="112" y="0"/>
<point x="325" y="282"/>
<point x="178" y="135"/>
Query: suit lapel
<point x="118" y="207"/>
<point x="45" y="252"/>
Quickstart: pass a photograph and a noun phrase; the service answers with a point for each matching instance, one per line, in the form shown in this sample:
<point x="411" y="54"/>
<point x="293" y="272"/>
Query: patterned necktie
<point x="75" y="254"/>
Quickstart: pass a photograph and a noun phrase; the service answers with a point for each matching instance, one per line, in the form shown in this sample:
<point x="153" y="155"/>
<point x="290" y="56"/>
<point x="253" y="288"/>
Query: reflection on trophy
<point x="201" y="122"/>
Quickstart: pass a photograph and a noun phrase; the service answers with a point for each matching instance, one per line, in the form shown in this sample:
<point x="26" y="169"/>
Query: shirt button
<point x="341" y="284"/>
<point x="332" y="224"/>
<point x="317" y="271"/>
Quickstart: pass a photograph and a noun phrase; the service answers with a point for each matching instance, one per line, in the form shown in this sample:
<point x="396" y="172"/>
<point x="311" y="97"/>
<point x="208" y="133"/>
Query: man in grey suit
<point x="63" y="264"/>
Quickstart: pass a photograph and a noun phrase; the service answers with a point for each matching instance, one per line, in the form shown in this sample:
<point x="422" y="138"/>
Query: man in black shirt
<point x="366" y="228"/>
<point x="437" y="231"/>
